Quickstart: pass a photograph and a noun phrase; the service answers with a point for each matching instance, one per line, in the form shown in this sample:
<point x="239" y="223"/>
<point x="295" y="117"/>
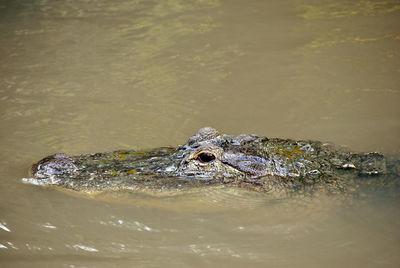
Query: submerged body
<point x="209" y="158"/>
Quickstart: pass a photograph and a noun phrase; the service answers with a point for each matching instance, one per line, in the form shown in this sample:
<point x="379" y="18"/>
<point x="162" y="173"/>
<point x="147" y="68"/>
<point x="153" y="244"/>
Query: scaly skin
<point x="209" y="158"/>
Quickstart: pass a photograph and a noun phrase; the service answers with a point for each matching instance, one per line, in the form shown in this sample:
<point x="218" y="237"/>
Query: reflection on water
<point x="85" y="76"/>
<point x="345" y="9"/>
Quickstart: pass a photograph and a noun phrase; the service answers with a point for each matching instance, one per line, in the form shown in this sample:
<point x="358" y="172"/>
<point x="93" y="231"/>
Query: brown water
<point x="89" y="76"/>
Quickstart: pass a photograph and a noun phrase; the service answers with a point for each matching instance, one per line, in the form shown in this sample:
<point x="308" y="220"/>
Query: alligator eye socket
<point x="205" y="157"/>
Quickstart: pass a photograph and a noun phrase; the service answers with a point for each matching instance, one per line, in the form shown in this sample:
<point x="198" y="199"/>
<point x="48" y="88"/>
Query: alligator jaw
<point x="51" y="180"/>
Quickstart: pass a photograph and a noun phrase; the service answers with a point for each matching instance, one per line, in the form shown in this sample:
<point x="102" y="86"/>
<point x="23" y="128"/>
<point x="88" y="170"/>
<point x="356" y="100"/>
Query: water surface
<point x="90" y="76"/>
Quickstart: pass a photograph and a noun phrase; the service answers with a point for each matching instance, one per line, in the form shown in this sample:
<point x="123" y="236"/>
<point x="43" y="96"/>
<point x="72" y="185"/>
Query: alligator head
<point x="207" y="158"/>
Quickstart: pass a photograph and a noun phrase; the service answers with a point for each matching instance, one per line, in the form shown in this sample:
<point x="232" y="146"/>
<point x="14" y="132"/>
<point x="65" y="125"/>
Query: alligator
<point x="208" y="158"/>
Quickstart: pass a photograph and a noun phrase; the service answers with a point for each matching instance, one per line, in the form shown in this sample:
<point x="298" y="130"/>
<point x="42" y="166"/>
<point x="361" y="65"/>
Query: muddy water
<point x="87" y="76"/>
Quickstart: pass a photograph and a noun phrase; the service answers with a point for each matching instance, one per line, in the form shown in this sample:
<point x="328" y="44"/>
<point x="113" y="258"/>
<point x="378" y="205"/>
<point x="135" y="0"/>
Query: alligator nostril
<point x="205" y="157"/>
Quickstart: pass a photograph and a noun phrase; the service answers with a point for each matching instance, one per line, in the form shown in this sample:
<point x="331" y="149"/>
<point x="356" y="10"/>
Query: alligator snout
<point x="56" y="164"/>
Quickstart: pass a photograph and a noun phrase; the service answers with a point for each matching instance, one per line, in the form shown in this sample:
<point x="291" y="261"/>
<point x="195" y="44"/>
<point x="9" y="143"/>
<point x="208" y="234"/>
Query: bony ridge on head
<point x="205" y="133"/>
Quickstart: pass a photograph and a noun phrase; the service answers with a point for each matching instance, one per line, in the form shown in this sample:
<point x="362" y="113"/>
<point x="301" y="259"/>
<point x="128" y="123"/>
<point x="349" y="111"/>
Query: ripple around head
<point x="242" y="199"/>
<point x="207" y="199"/>
<point x="234" y="198"/>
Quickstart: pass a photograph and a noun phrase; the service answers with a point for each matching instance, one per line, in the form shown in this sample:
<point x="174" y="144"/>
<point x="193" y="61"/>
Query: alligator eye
<point x="205" y="157"/>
